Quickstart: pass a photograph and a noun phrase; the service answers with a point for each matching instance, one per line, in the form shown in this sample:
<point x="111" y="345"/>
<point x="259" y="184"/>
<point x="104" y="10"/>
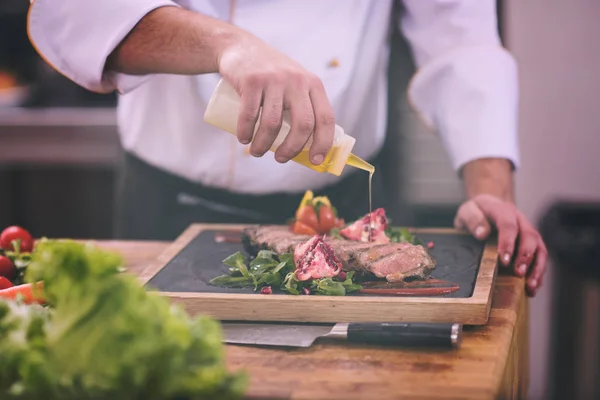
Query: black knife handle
<point x="406" y="334"/>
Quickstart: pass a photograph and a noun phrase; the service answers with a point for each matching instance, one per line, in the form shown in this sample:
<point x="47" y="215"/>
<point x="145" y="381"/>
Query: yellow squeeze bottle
<point x="223" y="111"/>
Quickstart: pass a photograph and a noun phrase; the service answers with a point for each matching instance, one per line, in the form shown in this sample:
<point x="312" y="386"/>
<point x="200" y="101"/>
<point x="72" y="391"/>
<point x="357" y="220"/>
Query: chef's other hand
<point x="519" y="243"/>
<point x="265" y="77"/>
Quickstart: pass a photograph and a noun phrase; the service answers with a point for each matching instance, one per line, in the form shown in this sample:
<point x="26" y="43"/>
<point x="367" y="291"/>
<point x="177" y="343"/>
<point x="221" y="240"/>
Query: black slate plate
<point x="457" y="257"/>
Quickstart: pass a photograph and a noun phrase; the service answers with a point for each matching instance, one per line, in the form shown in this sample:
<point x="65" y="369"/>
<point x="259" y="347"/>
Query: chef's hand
<point x="520" y="245"/>
<point x="265" y="77"/>
<point x="172" y="40"/>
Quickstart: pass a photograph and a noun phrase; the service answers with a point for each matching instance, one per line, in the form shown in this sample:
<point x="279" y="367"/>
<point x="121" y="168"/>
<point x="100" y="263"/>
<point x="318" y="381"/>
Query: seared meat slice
<point x="392" y="261"/>
<point x="276" y="238"/>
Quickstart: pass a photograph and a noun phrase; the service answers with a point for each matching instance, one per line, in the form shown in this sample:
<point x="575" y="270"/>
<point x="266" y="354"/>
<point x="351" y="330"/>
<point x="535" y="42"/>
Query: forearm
<point x="489" y="176"/>
<point x="173" y="40"/>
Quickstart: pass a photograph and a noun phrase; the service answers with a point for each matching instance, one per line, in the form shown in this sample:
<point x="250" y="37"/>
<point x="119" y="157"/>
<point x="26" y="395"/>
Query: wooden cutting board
<point x="182" y="271"/>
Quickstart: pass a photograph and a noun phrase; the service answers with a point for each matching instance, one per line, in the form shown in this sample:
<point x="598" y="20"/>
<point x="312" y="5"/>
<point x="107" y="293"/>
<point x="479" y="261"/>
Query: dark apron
<point x="152" y="204"/>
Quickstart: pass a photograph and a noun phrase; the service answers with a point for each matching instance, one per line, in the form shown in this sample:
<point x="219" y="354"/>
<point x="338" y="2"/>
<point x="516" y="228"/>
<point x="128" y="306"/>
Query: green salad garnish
<point x="105" y="336"/>
<point x="268" y="269"/>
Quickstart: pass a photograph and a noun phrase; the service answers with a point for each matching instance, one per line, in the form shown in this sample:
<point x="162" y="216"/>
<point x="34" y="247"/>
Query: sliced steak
<point x="276" y="238"/>
<point x="392" y="261"/>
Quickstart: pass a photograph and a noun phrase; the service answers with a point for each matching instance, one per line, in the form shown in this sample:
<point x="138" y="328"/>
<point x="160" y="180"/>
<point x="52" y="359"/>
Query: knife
<point x="383" y="334"/>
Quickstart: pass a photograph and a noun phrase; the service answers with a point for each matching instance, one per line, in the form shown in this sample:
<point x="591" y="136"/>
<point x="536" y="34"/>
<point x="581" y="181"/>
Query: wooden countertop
<point x="491" y="363"/>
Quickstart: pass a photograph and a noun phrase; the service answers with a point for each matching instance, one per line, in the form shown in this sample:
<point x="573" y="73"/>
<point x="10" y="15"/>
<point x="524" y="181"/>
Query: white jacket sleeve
<point x="466" y="83"/>
<point x="76" y="37"/>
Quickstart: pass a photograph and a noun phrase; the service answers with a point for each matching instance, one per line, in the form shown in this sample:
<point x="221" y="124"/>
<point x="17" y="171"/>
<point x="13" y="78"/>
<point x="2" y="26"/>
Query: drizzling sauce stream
<point x="365" y="166"/>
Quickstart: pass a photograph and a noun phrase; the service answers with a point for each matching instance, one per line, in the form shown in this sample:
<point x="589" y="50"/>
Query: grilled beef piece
<point x="392" y="261"/>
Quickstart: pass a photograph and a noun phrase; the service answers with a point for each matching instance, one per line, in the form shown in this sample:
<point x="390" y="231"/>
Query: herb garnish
<point x="278" y="271"/>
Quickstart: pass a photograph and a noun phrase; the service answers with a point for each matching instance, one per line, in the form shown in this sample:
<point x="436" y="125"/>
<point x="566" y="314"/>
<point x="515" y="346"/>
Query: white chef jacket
<point x="465" y="86"/>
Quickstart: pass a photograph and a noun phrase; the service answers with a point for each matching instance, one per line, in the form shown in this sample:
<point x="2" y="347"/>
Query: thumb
<point x="470" y="217"/>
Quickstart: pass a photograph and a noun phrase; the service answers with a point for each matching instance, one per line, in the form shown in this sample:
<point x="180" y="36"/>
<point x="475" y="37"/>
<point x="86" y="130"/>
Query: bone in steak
<point x="392" y="261"/>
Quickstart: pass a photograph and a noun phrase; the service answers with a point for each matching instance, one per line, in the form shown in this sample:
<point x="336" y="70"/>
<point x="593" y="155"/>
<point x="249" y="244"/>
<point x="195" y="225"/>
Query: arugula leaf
<point x="291" y="283"/>
<point x="270" y="279"/>
<point x="349" y="284"/>
<point x="232" y="281"/>
<point x="327" y="286"/>
<point x="266" y="269"/>
<point x="280" y="266"/>
<point x="236" y="261"/>
<point x="287" y="258"/>
<point x="400" y="235"/>
<point x="264" y="261"/>
<point x="264" y="256"/>
<point x="270" y="269"/>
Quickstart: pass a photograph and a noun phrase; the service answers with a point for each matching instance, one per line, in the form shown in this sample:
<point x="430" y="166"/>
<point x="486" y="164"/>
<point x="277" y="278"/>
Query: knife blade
<point x="382" y="334"/>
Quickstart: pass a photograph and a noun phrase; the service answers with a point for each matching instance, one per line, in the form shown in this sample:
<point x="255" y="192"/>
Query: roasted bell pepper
<point x="315" y="215"/>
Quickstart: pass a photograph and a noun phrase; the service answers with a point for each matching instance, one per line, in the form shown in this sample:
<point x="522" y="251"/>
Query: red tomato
<point x="303" y="229"/>
<point x="5" y="283"/>
<point x="327" y="219"/>
<point x="308" y="217"/>
<point x="16" y="233"/>
<point x="7" y="268"/>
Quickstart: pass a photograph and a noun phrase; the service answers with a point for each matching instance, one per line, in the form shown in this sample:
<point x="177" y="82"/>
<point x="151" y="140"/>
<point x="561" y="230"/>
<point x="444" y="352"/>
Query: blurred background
<point x="59" y="144"/>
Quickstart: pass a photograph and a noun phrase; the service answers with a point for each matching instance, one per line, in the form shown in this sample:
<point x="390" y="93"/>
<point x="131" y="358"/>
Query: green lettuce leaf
<point x="401" y="235"/>
<point x="106" y="337"/>
<point x="328" y="287"/>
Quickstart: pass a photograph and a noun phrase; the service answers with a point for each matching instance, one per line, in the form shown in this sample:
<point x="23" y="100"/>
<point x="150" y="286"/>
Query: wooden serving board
<point x="182" y="271"/>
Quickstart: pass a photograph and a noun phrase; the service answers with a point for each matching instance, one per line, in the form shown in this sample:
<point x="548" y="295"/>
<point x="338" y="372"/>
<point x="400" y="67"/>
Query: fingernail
<point x="521" y="270"/>
<point x="318" y="159"/>
<point x="533" y="283"/>
<point x="280" y="159"/>
<point x="506" y="258"/>
<point x="244" y="141"/>
<point x="479" y="232"/>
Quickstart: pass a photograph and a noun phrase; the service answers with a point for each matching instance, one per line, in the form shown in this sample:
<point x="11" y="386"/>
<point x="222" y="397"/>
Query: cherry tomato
<point x="5" y="283"/>
<point x="16" y="233"/>
<point x="327" y="219"/>
<point x="303" y="229"/>
<point x="7" y="268"/>
<point x="308" y="216"/>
